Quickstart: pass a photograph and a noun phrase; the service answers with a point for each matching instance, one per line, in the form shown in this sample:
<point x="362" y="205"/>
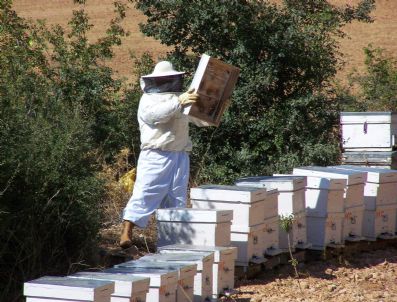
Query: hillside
<point x="379" y="33"/>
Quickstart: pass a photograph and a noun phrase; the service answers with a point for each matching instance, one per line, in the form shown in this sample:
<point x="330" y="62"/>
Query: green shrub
<point x="376" y="88"/>
<point x="61" y="114"/>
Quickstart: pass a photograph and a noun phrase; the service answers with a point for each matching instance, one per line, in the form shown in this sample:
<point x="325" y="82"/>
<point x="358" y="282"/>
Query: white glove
<point x="188" y="97"/>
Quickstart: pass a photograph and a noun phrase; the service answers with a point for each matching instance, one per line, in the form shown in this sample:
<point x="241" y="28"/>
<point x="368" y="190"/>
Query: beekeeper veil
<point x="164" y="78"/>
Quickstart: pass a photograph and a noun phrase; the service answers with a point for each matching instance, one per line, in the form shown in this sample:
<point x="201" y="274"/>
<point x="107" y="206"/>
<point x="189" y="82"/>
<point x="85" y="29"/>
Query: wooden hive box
<point x="214" y="81"/>
<point x="203" y="282"/>
<point x="186" y="271"/>
<point x="67" y="289"/>
<point x="163" y="283"/>
<point x="368" y="131"/>
<point x="193" y="226"/>
<point x="126" y="287"/>
<point x="223" y="267"/>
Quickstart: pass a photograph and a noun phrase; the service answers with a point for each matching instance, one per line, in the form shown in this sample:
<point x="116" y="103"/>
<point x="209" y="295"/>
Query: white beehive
<point x="380" y="223"/>
<point x="203" y="279"/>
<point x="126" y="287"/>
<point x="380" y="188"/>
<point x="187" y="272"/>
<point x="193" y="226"/>
<point x="247" y="203"/>
<point x="291" y="190"/>
<point x="223" y="267"/>
<point x="64" y="288"/>
<point x="325" y="231"/>
<point x="291" y="201"/>
<point x="162" y="286"/>
<point x="324" y="196"/>
<point x="368" y="131"/>
<point x="355" y="180"/>
<point x="249" y="243"/>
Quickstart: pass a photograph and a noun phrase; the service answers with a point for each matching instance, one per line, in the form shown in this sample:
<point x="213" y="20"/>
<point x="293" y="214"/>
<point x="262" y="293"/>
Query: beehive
<point x="223" y="267"/>
<point x="193" y="226"/>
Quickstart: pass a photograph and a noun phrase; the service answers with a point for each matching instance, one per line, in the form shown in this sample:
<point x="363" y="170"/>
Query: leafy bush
<point x="376" y="88"/>
<point x="281" y="113"/>
<point x="61" y="114"/>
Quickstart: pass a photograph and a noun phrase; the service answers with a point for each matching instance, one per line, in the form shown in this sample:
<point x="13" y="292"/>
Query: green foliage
<point x="286" y="222"/>
<point x="281" y="113"/>
<point x="378" y="85"/>
<point x="61" y="113"/>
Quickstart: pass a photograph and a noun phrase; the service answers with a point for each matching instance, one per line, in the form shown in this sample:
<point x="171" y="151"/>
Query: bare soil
<point x="368" y="276"/>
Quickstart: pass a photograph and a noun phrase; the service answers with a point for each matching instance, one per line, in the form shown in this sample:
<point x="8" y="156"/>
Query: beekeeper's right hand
<point x="188" y="97"/>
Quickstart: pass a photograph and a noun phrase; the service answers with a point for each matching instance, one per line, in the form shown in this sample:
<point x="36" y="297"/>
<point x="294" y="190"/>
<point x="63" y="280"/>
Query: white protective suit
<point x="163" y="165"/>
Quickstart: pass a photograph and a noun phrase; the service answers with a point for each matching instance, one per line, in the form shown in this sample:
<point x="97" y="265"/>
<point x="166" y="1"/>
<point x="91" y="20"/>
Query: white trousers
<point x="161" y="181"/>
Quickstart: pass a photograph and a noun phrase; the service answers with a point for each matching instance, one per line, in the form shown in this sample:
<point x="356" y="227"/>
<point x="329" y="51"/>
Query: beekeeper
<point x="163" y="164"/>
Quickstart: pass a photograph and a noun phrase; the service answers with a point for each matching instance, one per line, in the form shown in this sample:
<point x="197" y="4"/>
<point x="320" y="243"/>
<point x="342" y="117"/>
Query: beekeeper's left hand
<point x="188" y="97"/>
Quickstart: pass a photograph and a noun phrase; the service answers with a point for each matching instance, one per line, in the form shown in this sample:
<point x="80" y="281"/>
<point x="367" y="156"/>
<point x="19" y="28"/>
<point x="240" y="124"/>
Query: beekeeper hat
<point x="163" y="68"/>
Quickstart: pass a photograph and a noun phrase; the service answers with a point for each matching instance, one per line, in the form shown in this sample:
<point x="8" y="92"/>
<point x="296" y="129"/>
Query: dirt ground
<point x="368" y="276"/>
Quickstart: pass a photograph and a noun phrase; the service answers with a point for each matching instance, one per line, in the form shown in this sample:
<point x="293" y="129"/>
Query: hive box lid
<point x="194" y="215"/>
<point x="375" y="175"/>
<point x="219" y="251"/>
<point x="125" y="285"/>
<point x="228" y="193"/>
<point x="157" y="277"/>
<point x="282" y="183"/>
<point x="352" y="177"/>
<point x="185" y="269"/>
<point x="198" y="258"/>
<point x="68" y="288"/>
<point x="385" y="117"/>
<point x="325" y="183"/>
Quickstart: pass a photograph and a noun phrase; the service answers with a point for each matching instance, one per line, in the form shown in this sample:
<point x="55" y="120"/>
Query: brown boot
<point x="125" y="238"/>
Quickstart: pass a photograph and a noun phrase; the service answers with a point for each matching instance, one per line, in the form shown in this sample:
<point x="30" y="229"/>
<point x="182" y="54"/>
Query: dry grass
<point x="380" y="33"/>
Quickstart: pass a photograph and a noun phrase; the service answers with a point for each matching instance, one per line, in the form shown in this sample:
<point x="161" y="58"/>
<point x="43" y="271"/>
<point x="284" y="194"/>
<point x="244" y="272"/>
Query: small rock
<point x="332" y="287"/>
<point x="329" y="271"/>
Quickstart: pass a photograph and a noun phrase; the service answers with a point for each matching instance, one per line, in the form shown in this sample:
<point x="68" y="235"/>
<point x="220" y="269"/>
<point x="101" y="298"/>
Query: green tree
<point x="281" y="113"/>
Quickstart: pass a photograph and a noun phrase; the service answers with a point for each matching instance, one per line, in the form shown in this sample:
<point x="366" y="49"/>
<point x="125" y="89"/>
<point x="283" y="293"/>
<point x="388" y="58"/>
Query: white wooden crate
<point x="380" y="223"/>
<point x="271" y="204"/>
<point x="248" y="203"/>
<point x="355" y="180"/>
<point x="223" y="268"/>
<point x="325" y="198"/>
<point x="193" y="226"/>
<point x="368" y="131"/>
<point x="187" y="272"/>
<point x="323" y="231"/>
<point x="162" y="286"/>
<point x="49" y="287"/>
<point x="291" y="190"/>
<point x="380" y="188"/>
<point x="126" y="287"/>
<point x="203" y="282"/>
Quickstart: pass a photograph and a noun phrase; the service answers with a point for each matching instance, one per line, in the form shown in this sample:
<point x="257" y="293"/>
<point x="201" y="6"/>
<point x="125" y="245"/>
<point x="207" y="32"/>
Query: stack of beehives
<point x="369" y="139"/>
